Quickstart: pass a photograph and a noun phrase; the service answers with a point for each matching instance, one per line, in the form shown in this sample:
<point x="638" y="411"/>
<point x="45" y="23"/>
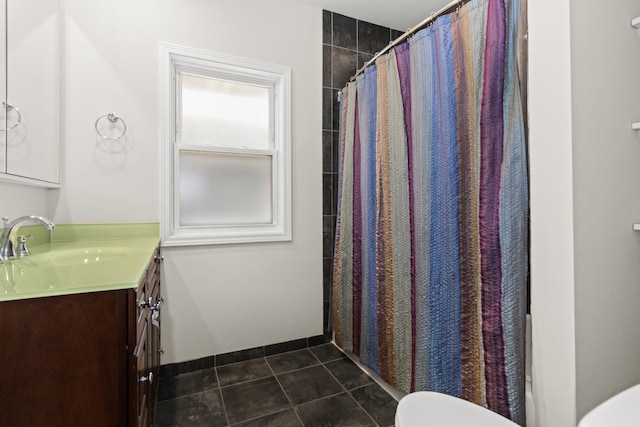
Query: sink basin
<point x="84" y="255"/>
<point x="80" y="258"/>
<point x="70" y="266"/>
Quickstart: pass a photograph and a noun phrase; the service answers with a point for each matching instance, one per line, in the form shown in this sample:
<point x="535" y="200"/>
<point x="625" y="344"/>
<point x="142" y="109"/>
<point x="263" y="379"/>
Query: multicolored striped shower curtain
<point x="431" y="256"/>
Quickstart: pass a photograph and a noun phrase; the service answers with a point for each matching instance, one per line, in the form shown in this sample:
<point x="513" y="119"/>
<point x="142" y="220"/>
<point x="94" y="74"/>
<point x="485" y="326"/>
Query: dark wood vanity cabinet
<point x="88" y="359"/>
<point x="144" y="338"/>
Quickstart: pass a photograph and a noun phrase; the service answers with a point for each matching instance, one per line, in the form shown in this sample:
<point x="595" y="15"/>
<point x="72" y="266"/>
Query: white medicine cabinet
<point x="30" y="92"/>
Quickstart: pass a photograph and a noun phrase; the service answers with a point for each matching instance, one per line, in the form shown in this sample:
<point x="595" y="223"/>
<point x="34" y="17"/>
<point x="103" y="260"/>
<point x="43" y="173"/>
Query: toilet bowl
<point x="427" y="408"/>
<point x="621" y="410"/>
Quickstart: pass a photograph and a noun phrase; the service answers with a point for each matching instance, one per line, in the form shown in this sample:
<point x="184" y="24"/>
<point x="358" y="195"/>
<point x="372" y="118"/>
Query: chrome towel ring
<point x="10" y="107"/>
<point x="113" y="118"/>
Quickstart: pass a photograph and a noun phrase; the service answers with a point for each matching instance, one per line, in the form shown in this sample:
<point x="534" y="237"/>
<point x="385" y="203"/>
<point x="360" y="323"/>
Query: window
<point x="226" y="149"/>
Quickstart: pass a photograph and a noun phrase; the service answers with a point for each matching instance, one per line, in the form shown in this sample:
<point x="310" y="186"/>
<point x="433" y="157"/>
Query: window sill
<point x="222" y="238"/>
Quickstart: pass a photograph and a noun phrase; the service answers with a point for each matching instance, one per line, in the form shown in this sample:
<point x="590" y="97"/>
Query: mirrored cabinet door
<point x="3" y="87"/>
<point x="32" y="101"/>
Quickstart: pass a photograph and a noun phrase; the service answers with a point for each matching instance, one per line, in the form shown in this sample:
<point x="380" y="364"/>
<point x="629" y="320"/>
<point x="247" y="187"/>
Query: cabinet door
<point x="63" y="361"/>
<point x="33" y="90"/>
<point x="3" y="85"/>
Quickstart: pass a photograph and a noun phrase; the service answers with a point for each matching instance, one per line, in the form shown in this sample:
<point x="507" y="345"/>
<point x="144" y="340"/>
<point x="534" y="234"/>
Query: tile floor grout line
<point x="322" y="398"/>
<point x="321" y="363"/>
<point x="297" y="369"/>
<point x="253" y="380"/>
<point x="224" y="407"/>
<point x="362" y="407"/>
<point x="244" y="382"/>
<point x="288" y="352"/>
<point x="375" y="377"/>
<point x="344" y="390"/>
<point x="335" y="395"/>
<point x="348" y="393"/>
<point x="265" y="359"/>
<point x="284" y="392"/>
<point x="188" y="394"/>
<point x="259" y="417"/>
<point x="193" y="392"/>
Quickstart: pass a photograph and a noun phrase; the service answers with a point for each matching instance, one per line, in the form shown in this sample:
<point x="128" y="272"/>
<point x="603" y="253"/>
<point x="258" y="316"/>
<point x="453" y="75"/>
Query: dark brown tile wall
<point x="173" y="369"/>
<point x="347" y="43"/>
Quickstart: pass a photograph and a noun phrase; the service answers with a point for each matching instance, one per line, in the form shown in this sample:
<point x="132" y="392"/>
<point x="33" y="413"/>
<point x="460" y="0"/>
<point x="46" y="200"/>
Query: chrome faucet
<point x="8" y="241"/>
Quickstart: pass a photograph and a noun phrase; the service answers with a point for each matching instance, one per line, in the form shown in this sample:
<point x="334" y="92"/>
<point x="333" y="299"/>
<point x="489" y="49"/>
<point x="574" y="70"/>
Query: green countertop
<point x="78" y="258"/>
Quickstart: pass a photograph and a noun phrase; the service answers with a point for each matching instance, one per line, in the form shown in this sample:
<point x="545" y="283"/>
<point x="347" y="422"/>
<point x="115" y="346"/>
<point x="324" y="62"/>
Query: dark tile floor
<point x="314" y="387"/>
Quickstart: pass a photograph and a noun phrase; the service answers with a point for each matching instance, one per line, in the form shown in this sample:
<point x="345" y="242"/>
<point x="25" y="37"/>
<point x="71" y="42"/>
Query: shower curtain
<point x="431" y="253"/>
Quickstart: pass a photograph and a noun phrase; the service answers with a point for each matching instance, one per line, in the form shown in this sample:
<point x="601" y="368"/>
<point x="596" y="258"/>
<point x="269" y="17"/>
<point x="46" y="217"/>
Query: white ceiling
<point x="396" y="14"/>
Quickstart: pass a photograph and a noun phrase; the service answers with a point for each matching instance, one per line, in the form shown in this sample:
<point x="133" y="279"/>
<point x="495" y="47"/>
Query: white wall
<point x="605" y="54"/>
<point x="552" y="276"/>
<point x="223" y="298"/>
<point x="19" y="200"/>
<point x="231" y="297"/>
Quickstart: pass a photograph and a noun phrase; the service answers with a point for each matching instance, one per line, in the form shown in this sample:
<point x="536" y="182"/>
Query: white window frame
<point x="175" y="58"/>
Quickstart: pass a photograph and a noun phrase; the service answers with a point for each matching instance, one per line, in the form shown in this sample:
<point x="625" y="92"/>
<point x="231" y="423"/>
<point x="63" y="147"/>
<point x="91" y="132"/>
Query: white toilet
<point x="622" y="410"/>
<point x="427" y="408"/>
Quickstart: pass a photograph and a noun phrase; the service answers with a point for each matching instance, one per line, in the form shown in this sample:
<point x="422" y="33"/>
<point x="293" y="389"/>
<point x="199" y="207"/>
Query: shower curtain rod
<point x="456" y="4"/>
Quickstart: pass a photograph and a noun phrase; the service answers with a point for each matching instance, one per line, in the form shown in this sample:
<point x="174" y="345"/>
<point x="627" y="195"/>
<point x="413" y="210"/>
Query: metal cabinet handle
<point x="149" y="303"/>
<point x="159" y="258"/>
<point x="156" y="306"/>
<point x="148" y="378"/>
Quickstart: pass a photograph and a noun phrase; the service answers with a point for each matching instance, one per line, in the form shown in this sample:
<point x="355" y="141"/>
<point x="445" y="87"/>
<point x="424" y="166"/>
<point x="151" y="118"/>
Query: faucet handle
<point x="5" y="220"/>
<point x="22" y="245"/>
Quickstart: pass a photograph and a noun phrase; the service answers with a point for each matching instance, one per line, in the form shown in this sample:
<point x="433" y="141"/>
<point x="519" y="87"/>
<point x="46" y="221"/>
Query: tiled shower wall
<point x="347" y="43"/>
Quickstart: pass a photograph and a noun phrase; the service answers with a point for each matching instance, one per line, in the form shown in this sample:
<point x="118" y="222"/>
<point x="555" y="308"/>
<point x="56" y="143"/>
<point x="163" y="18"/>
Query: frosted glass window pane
<point x="225" y="189"/>
<point x="224" y="114"/>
